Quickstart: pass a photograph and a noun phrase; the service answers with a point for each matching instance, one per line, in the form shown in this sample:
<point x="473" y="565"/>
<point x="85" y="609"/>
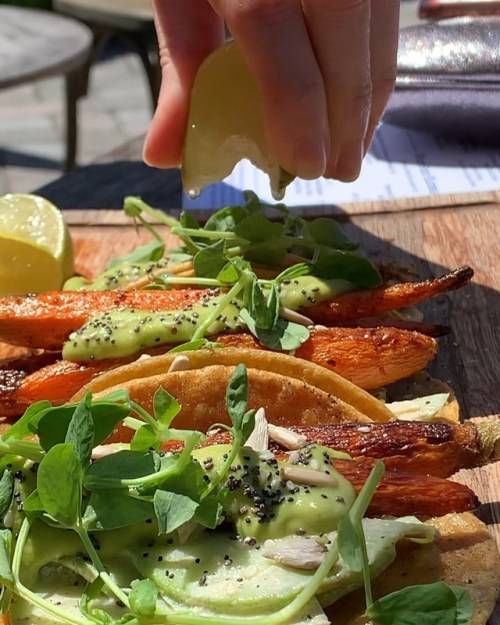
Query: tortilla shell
<point x="420" y="385"/>
<point x="464" y="554"/>
<point x="362" y="405"/>
<point x="285" y="400"/>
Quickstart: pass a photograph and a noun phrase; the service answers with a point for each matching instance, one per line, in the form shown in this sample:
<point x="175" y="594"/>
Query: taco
<point x="176" y="529"/>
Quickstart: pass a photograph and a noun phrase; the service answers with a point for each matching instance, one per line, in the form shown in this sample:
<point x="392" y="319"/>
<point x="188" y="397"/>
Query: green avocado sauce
<point x="263" y="503"/>
<point x="116" y="277"/>
<point x="123" y="332"/>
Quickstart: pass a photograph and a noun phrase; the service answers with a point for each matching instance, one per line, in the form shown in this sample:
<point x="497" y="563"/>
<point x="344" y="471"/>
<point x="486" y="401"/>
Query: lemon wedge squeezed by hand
<point x="36" y="252"/>
<point x="225" y="124"/>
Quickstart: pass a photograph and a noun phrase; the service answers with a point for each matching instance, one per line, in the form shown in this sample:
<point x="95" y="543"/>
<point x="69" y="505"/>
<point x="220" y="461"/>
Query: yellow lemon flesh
<point x="36" y="252"/>
<point x="26" y="268"/>
<point x="225" y="124"/>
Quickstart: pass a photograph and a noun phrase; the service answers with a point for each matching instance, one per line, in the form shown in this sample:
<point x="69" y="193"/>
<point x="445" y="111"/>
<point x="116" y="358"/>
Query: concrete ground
<point x="116" y="109"/>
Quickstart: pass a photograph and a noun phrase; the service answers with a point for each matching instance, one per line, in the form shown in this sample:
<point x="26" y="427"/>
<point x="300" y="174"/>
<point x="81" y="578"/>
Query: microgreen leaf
<point x="22" y="428"/>
<point x="231" y="272"/>
<point x="351" y="540"/>
<point x="237" y="396"/>
<point x="194" y="345"/>
<point x="247" y="425"/>
<point x="6" y="577"/>
<point x="209" y="261"/>
<point x="226" y="219"/>
<point x="284" y="336"/>
<point x="295" y="271"/>
<point x="118" y="396"/>
<point x="209" y="512"/>
<point x="61" y="491"/>
<point x="143" y="597"/>
<point x="270" y="252"/>
<point x="81" y="431"/>
<point x="32" y="505"/>
<point x="355" y="269"/>
<point x="165" y="407"/>
<point x="122" y="465"/>
<point x="349" y="544"/>
<point x="53" y="423"/>
<point x="258" y="307"/>
<point x="265" y="241"/>
<point x="328" y="232"/>
<point x="110" y="510"/>
<point x="273" y="305"/>
<point x="191" y="484"/>
<point x="90" y="594"/>
<point x="145" y="439"/>
<point x="188" y="220"/>
<point x="134" y="206"/>
<point x="151" y="252"/>
<point x="426" y="604"/>
<point x="6" y="492"/>
<point x="257" y="228"/>
<point x="173" y="510"/>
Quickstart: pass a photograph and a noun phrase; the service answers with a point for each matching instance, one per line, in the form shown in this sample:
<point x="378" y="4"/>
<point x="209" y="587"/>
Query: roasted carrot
<point x="56" y="383"/>
<point x="46" y="320"/>
<point x="369" y="357"/>
<point x="400" y="493"/>
<point x="370" y="302"/>
<point x="435" y="330"/>
<point x="436" y="449"/>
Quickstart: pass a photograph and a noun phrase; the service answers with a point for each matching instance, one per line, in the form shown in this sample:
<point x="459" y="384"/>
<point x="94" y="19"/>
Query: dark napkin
<point x="104" y="185"/>
<point x="449" y="79"/>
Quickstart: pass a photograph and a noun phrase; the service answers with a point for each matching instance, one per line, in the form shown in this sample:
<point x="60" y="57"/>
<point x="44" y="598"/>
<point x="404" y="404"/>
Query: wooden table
<point x="434" y="240"/>
<point x="37" y="44"/>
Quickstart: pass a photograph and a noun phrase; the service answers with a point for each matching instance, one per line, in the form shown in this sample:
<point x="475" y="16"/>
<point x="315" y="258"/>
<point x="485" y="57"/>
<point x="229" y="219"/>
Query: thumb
<point x="188" y="31"/>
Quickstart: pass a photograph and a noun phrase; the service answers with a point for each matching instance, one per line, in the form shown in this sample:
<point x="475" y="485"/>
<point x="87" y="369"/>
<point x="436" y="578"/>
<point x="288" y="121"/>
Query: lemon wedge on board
<point x="36" y="252"/>
<point x="225" y="125"/>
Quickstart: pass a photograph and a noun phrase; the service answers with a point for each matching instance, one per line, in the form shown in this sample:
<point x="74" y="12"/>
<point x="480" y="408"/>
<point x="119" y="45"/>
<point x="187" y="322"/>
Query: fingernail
<point x="309" y="157"/>
<point x="349" y="162"/>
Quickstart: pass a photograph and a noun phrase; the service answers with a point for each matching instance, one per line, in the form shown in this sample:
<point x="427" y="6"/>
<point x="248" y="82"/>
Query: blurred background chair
<point x="129" y="20"/>
<point x="38" y="44"/>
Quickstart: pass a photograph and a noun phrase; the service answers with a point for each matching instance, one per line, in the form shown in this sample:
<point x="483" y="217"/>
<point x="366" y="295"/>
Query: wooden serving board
<point x="433" y="241"/>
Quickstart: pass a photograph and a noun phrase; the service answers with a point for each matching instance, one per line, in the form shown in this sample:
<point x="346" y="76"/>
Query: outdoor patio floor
<point x="116" y="109"/>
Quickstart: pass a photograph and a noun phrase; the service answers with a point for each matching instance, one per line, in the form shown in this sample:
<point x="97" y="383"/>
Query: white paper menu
<point x="401" y="163"/>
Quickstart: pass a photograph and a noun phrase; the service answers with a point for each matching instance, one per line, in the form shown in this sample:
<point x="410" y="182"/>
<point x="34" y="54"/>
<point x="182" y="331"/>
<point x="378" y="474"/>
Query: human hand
<point x="326" y="69"/>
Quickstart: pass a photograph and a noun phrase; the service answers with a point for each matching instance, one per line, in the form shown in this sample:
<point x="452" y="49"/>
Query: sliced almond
<point x="295" y="317"/>
<point x="180" y="363"/>
<point x="285" y="437"/>
<point x="301" y="475"/>
<point x="259" y="438"/>
<point x="101" y="451"/>
<point x="296" y="552"/>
